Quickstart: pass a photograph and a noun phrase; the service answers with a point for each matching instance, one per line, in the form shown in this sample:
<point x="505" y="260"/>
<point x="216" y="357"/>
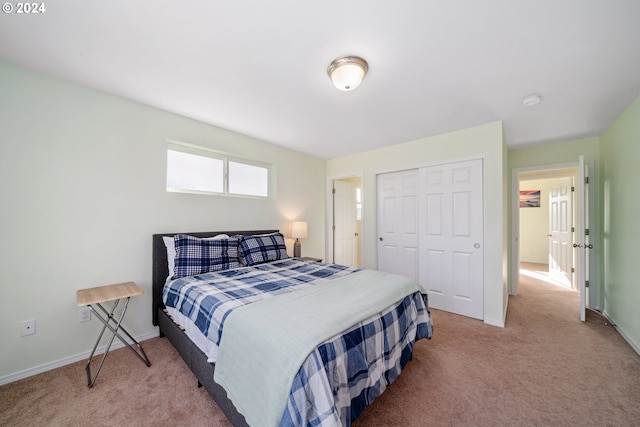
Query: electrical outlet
<point x="84" y="314"/>
<point x="27" y="327"/>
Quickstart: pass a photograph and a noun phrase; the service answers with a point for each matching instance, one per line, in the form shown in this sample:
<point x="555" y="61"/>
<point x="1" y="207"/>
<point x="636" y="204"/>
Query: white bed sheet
<point x="197" y="337"/>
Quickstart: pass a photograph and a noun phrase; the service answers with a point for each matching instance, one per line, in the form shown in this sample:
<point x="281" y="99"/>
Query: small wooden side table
<point x="98" y="295"/>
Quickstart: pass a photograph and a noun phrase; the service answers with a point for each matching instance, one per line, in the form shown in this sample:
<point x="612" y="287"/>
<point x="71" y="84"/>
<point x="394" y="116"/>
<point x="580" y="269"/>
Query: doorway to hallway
<point x="548" y="221"/>
<point x="345" y="216"/>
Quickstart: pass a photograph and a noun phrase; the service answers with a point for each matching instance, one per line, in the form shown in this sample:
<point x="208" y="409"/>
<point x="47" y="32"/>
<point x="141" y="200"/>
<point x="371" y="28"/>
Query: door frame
<point x="329" y="214"/>
<point x="515" y="222"/>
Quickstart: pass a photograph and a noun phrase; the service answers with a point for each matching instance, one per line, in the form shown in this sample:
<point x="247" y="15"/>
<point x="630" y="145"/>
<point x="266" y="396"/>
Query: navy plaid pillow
<point x="261" y="248"/>
<point x="197" y="256"/>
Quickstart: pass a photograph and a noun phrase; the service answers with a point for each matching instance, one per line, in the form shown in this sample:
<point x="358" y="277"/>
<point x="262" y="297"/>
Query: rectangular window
<point x="194" y="169"/>
<point x="248" y="179"/>
<point x="192" y="172"/>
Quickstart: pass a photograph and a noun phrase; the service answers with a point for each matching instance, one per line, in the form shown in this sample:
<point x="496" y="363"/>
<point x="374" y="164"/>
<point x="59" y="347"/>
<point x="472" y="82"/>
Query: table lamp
<point x="298" y="231"/>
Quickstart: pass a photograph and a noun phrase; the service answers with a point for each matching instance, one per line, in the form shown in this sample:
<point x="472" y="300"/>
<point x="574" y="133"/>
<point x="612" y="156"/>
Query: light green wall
<point x="484" y="142"/>
<point x="620" y="156"/>
<point x="83" y="189"/>
<point x="554" y="154"/>
<point x="534" y="224"/>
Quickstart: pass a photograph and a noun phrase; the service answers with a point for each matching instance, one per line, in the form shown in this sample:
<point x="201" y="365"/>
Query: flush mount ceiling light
<point x="531" y="100"/>
<point x="347" y="72"/>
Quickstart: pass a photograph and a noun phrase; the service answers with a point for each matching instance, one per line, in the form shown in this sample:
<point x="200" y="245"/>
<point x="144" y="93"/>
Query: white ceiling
<point x="259" y="67"/>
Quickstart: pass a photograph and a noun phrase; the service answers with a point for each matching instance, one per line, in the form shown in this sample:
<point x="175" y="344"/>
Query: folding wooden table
<point x="95" y="297"/>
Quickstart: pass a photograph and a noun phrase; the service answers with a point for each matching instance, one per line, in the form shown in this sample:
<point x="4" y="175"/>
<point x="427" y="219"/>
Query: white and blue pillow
<point x="259" y="248"/>
<point x="170" y="244"/>
<point x="197" y="256"/>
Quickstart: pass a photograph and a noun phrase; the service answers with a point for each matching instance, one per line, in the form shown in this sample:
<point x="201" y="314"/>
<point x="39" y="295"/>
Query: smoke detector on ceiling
<point x="531" y="100"/>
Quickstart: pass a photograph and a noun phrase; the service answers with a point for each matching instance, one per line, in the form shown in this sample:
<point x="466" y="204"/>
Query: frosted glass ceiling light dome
<point x="347" y="72"/>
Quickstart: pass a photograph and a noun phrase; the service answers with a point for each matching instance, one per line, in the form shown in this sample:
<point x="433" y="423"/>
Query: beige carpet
<point x="546" y="368"/>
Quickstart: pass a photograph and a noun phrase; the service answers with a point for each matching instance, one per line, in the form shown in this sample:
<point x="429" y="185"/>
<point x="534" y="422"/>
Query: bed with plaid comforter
<point x="343" y="374"/>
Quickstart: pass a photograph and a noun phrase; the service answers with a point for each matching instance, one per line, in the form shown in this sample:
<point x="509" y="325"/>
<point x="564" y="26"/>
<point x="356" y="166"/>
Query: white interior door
<point x="451" y="237"/>
<point x="344" y="222"/>
<point x="397" y="222"/>
<point x="560" y="234"/>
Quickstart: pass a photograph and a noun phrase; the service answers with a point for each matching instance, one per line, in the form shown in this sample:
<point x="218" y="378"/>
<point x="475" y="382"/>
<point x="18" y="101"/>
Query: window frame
<point x="226" y="158"/>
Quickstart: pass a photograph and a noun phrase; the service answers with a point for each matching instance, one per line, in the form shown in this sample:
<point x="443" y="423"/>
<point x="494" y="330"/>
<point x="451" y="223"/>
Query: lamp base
<point x="297" y="250"/>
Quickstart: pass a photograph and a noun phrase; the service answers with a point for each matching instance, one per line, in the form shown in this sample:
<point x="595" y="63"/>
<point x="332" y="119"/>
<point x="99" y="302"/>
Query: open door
<point x="560" y="235"/>
<point x="345" y="225"/>
<point x="582" y="244"/>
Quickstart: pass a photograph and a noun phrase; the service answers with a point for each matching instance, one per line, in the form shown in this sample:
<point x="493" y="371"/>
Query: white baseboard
<point x="68" y="360"/>
<point x="626" y="337"/>
<point x="493" y="322"/>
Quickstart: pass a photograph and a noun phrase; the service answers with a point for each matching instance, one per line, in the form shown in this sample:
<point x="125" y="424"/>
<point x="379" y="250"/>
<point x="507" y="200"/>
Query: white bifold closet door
<point x="430" y="227"/>
<point x="451" y="237"/>
<point x="397" y="213"/>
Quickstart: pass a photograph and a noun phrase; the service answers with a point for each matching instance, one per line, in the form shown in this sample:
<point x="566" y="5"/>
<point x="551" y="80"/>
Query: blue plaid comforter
<point x="342" y="375"/>
<point x="208" y="306"/>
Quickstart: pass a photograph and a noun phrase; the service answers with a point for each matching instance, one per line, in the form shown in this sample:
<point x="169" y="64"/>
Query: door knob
<point x="381" y="239"/>
<point x="477" y="245"/>
<point x="575" y="245"/>
<point x="590" y="246"/>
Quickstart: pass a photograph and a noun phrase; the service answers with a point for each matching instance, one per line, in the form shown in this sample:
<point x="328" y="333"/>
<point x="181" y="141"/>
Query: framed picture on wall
<point x="529" y="198"/>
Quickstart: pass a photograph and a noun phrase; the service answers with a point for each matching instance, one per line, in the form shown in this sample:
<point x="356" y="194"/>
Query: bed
<point x="309" y="366"/>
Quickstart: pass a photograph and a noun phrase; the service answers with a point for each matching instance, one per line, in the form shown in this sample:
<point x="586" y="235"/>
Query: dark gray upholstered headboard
<point x="161" y="270"/>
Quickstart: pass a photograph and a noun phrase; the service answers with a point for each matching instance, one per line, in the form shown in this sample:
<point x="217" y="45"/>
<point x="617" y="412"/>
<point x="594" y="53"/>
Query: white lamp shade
<point x="298" y="229"/>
